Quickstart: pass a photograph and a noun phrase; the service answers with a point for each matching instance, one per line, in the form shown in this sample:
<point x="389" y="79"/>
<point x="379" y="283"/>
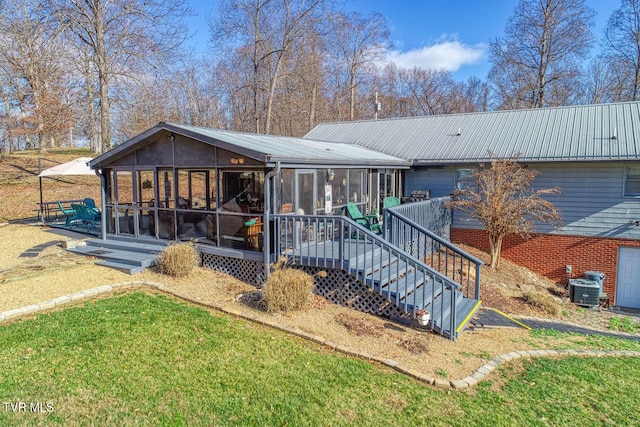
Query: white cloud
<point x="445" y="55"/>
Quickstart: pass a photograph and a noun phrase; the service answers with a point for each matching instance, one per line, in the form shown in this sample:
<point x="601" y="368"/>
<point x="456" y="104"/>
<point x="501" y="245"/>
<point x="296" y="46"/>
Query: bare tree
<point x="359" y="44"/>
<point x="500" y="198"/>
<point x="31" y="59"/>
<point x="261" y="35"/>
<point x="416" y="91"/>
<point x="606" y="81"/>
<point x="124" y="38"/>
<point x="621" y="45"/>
<point x="544" y="42"/>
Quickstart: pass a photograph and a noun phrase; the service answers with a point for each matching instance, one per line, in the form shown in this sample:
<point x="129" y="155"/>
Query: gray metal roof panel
<point x="267" y="148"/>
<point x="283" y="148"/>
<point x="558" y="133"/>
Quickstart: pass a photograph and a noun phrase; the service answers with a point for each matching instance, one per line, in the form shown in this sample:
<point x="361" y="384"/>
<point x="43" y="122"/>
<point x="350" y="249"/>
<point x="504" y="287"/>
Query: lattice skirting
<point x="248" y="271"/>
<point x="335" y="285"/>
<point x="344" y="289"/>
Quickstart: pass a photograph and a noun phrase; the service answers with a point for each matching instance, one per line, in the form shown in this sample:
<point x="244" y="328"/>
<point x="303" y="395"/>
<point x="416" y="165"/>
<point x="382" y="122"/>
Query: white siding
<point x="591" y="202"/>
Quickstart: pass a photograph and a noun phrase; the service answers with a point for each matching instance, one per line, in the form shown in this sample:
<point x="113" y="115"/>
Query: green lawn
<point x="140" y="359"/>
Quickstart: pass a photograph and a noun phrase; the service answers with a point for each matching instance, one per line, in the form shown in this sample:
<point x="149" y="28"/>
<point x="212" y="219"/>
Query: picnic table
<point x="49" y="211"/>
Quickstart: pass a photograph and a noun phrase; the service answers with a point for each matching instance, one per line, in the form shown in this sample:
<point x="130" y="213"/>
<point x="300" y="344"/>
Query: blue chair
<point x="91" y="205"/>
<point x="70" y="215"/>
<point x="85" y="215"/>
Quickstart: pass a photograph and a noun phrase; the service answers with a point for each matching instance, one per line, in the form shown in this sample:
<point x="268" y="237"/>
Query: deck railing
<point x="401" y="228"/>
<point x="339" y="242"/>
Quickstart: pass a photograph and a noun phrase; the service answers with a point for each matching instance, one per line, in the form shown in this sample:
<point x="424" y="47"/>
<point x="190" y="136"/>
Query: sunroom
<point x="218" y="188"/>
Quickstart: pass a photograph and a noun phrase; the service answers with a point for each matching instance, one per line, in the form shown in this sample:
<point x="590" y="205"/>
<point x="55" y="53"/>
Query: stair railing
<point x="340" y="243"/>
<point x="433" y="250"/>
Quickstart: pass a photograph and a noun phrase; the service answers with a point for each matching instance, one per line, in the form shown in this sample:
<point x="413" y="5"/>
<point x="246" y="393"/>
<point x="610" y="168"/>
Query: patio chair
<point x="389" y="202"/>
<point x="370" y="222"/>
<point x="70" y="215"/>
<point x="85" y="215"/>
<point x="91" y="204"/>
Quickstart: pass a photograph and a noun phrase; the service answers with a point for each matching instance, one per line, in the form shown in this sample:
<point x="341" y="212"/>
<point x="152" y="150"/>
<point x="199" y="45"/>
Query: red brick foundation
<point x="549" y="254"/>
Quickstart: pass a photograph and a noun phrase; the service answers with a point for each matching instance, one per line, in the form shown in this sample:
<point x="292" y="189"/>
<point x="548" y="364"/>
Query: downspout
<point x="266" y="246"/>
<point x="103" y="204"/>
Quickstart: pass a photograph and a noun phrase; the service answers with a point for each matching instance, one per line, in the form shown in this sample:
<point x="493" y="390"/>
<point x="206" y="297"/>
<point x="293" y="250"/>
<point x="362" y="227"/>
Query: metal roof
<point x="590" y="132"/>
<point x="266" y="148"/>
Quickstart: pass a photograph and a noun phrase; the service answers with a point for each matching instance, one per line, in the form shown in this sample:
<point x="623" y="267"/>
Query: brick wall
<point x="549" y="254"/>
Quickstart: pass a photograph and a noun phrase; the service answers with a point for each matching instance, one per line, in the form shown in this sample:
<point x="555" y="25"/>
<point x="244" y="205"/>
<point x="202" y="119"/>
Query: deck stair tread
<point x="388" y="274"/>
<point x="411" y="283"/>
<point x="372" y="265"/>
<point x="464" y="311"/>
<point x="127" y="246"/>
<point x="125" y="268"/>
<point x="378" y="255"/>
<point x="464" y="307"/>
<point x="123" y="256"/>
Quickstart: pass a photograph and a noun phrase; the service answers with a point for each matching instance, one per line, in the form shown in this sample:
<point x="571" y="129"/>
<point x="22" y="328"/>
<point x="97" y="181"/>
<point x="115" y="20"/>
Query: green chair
<point x="91" y="204"/>
<point x="85" y="215"/>
<point x="370" y="222"/>
<point x="70" y="215"/>
<point x="389" y="202"/>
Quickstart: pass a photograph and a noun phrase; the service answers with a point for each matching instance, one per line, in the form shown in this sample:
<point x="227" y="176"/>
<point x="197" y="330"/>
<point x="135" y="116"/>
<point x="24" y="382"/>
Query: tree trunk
<point x="352" y="96"/>
<point x="312" y="109"/>
<point x="495" y="246"/>
<point x="9" y="123"/>
<point x="103" y="80"/>
<point x="272" y="93"/>
<point x="105" y="109"/>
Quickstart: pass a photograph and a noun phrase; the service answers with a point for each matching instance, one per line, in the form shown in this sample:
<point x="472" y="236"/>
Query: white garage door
<point x="628" y="291"/>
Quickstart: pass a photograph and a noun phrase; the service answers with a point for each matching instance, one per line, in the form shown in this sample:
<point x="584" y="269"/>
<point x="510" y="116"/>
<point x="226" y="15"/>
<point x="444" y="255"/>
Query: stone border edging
<point x="470" y="381"/>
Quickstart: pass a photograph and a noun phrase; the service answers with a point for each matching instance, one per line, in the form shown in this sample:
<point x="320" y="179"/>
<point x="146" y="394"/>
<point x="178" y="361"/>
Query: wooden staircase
<point x="412" y="290"/>
<point x="386" y="267"/>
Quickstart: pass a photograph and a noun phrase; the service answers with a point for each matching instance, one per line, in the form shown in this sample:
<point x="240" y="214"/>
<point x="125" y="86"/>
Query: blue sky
<point x="449" y="34"/>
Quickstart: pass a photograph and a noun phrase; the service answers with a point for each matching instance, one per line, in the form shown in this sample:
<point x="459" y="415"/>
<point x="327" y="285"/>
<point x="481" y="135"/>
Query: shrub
<point x="287" y="289"/>
<point x="542" y="301"/>
<point x="178" y="260"/>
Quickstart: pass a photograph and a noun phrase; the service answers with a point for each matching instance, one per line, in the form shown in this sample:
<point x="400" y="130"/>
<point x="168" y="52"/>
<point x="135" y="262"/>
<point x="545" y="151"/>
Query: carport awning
<point x="77" y="166"/>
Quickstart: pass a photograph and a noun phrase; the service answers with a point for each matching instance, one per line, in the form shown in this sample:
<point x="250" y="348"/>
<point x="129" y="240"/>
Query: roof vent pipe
<point x="615" y="133"/>
<point x="459" y="132"/>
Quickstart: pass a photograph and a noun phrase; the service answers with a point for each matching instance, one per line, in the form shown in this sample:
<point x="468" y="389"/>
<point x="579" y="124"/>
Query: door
<point x="305" y="192"/>
<point x="628" y="287"/>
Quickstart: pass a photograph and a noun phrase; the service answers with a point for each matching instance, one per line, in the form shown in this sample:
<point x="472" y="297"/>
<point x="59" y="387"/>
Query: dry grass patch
<point x="359" y="326"/>
<point x="178" y="260"/>
<point x="413" y="344"/>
